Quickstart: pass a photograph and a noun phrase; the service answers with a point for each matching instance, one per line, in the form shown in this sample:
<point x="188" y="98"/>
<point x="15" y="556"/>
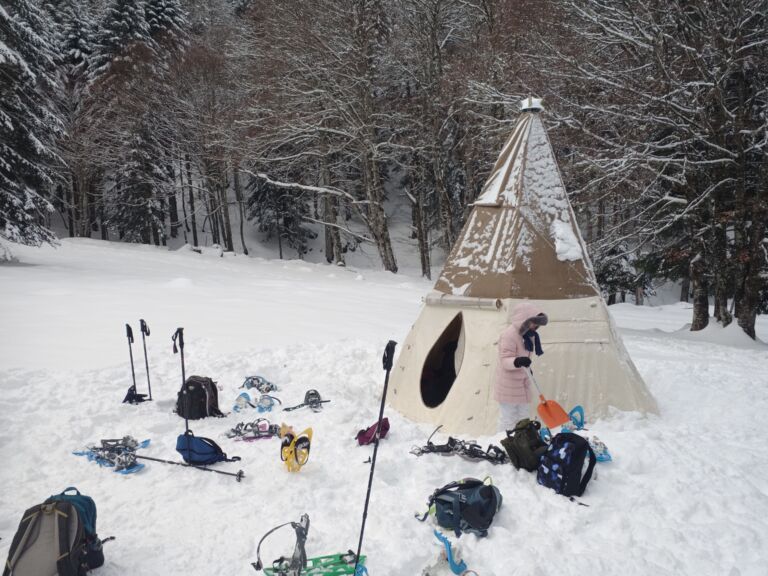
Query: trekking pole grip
<point x="144" y="327"/>
<point x="178" y="335"/>
<point x="389" y="355"/>
<point x="129" y="333"/>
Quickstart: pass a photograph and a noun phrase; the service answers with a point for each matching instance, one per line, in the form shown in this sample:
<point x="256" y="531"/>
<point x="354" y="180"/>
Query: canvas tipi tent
<point x="521" y="241"/>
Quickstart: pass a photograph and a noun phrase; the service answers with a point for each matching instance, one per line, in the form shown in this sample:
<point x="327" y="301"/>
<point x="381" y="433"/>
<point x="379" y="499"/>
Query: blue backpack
<point x="200" y="451"/>
<point x="562" y="466"/>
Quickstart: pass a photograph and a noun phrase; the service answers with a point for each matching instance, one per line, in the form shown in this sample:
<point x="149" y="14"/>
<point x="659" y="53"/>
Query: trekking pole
<point x="145" y="332"/>
<point x="129" y="334"/>
<point x="389" y="353"/>
<point x="179" y="335"/>
<point x="238" y="476"/>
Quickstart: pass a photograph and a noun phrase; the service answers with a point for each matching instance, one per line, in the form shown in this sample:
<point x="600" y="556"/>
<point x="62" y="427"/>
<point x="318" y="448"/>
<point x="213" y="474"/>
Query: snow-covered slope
<point x="686" y="494"/>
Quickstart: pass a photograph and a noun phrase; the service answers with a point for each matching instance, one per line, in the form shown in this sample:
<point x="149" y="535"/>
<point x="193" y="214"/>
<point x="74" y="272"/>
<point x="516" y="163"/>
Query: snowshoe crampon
<point x="298" y="564"/>
<point x="329" y="565"/>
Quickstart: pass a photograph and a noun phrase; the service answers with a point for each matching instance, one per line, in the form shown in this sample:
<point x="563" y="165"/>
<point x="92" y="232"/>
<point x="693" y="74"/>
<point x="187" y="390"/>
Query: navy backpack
<point x="200" y="451"/>
<point x="567" y="465"/>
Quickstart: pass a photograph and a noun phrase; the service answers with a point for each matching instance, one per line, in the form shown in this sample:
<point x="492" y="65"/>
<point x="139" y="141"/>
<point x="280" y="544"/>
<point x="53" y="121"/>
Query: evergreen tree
<point x="26" y="123"/>
<point x="124" y="41"/>
<point x="136" y="209"/>
<point x="282" y="214"/>
<point x="74" y="31"/>
<point x="167" y="22"/>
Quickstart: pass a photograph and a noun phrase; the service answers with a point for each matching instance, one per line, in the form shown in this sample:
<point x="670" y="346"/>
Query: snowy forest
<point x="150" y="120"/>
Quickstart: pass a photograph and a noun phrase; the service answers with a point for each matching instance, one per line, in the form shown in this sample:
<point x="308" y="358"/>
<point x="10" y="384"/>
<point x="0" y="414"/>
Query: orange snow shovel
<point x="550" y="412"/>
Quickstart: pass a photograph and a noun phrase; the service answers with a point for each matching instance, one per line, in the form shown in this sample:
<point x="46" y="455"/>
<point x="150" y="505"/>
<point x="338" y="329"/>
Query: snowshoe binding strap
<point x="267" y="402"/>
<point x="466" y="448"/>
<point x="294" y="565"/>
<point x="260" y="383"/>
<point x="312" y="399"/>
<point x="259" y="428"/>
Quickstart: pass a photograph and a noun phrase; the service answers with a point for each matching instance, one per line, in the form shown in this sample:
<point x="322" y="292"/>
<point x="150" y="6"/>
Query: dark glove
<point x="522" y="362"/>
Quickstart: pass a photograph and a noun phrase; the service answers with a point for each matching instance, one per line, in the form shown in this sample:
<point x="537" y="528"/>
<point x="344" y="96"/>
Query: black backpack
<point x="524" y="445"/>
<point x="56" y="537"/>
<point x="562" y="465"/>
<point x="198" y="398"/>
<point x="467" y="505"/>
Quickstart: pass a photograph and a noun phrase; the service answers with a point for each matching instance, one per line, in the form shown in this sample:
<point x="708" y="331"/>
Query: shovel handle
<point x="530" y="375"/>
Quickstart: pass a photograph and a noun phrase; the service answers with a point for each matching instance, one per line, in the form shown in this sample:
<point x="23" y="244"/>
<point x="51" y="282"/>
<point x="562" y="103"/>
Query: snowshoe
<point x="299" y="565"/>
<point x="600" y="449"/>
<point x="294" y="450"/>
<point x="260" y="383"/>
<point x="266" y="403"/>
<point x="312" y="399"/>
<point x="577" y="417"/>
<point x="117" y="454"/>
<point x="242" y="402"/>
<point x="256" y="430"/>
<point x="447" y="555"/>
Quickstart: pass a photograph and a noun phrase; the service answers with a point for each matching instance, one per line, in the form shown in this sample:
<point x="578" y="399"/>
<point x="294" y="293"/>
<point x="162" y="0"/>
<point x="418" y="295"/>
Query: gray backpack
<point x="57" y="537"/>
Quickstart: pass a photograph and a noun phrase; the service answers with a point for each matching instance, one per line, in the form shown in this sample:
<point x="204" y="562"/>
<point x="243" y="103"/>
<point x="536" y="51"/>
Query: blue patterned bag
<point x="566" y="467"/>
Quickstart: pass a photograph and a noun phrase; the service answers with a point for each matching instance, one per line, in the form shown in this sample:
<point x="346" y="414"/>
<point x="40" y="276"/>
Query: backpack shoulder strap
<point x="18" y="545"/>
<point x="590" y="467"/>
<point x="216" y="447"/>
<point x="456" y="516"/>
<point x="64" y="563"/>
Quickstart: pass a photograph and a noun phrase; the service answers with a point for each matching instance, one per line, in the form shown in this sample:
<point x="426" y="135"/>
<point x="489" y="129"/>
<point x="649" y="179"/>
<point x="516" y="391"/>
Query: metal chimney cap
<point x="531" y="104"/>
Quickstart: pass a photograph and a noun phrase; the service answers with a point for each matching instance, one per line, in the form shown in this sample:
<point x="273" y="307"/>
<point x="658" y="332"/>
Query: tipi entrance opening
<point x="443" y="363"/>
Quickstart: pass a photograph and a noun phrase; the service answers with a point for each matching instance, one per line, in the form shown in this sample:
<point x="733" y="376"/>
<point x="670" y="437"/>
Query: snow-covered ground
<point x="687" y="493"/>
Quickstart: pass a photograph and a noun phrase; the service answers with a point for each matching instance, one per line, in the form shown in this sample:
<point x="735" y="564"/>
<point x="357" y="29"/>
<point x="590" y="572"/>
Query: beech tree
<point x="672" y="135"/>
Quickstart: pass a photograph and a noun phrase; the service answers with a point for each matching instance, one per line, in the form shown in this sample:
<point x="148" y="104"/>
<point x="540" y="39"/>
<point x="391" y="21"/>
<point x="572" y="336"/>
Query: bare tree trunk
<point x="223" y="186"/>
<point x="173" y="206"/>
<point x="685" y="289"/>
<point x="720" y="265"/>
<point x="422" y="231"/>
<point x="70" y="206"/>
<point x="102" y="223"/>
<point x="749" y="303"/>
<point x="700" y="293"/>
<point x="333" y="249"/>
<point x="185" y="227"/>
<point x="191" y="201"/>
<point x="639" y="296"/>
<point x="377" y="217"/>
<point x="82" y="210"/>
<point x="210" y="203"/>
<point x="239" y="199"/>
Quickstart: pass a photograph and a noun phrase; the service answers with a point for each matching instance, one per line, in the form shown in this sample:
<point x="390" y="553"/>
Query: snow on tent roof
<point x="521" y="239"/>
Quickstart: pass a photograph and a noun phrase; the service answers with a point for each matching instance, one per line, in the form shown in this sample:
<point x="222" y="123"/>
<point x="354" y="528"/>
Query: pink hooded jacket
<point x="512" y="385"/>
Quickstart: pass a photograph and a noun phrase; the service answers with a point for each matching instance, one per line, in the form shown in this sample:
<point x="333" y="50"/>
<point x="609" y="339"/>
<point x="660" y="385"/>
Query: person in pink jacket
<point x="516" y="343"/>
